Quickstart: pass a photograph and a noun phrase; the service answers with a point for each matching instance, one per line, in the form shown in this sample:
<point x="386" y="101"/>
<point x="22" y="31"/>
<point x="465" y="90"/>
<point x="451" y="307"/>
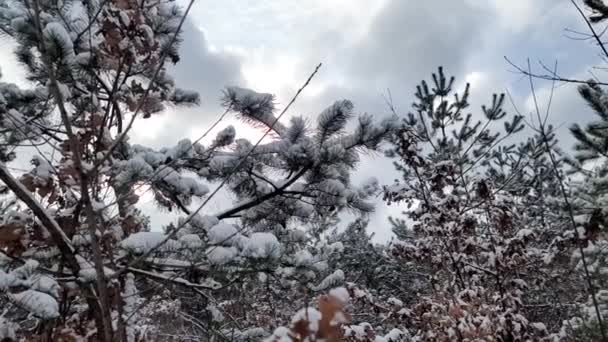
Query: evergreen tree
<point x="468" y="192"/>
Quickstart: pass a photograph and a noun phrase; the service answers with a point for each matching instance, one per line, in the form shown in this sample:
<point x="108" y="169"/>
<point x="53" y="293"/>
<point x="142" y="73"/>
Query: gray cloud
<point x="408" y="39"/>
<point x="405" y="42"/>
<point x="200" y="69"/>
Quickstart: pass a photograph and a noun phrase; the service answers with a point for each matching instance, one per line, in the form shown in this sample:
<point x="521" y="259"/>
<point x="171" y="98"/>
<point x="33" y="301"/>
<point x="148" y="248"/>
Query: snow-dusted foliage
<point x="485" y="222"/>
<point x="82" y="262"/>
<point x="496" y="243"/>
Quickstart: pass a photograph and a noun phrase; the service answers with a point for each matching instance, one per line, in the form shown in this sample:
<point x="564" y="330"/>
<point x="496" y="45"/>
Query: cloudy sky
<point x="367" y="47"/>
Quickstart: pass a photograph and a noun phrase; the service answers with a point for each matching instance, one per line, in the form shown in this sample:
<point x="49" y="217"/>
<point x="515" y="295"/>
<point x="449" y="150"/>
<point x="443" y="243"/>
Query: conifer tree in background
<point x="589" y="167"/>
<point x="483" y="244"/>
<point x="585" y="193"/>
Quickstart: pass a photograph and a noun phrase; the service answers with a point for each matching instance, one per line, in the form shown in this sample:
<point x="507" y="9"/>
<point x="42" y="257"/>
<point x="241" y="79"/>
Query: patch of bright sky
<point x="272" y="36"/>
<point x="10" y="69"/>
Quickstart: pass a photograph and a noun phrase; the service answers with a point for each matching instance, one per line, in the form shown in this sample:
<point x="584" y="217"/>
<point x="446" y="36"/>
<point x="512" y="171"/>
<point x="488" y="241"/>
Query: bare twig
<point x="548" y="77"/>
<point x="593" y="33"/>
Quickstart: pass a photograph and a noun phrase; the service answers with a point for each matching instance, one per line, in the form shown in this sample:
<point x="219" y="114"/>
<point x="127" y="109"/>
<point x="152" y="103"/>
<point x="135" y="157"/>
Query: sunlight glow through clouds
<point x="261" y="33"/>
<point x="149" y="129"/>
<point x="474" y="78"/>
<point x="278" y="76"/>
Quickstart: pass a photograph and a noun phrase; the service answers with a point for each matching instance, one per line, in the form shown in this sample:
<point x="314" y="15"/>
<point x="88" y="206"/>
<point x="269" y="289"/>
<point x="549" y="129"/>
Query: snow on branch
<point x="333" y="119"/>
<point x="38" y="303"/>
<point x="253" y="106"/>
<point x="143" y="242"/>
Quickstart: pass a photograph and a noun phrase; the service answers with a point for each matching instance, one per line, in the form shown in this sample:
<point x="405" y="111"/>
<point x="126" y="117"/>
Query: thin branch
<point x="548" y="77"/>
<point x="595" y="35"/>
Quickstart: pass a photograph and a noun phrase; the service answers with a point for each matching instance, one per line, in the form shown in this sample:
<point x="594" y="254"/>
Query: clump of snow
<point x="87" y="271"/>
<point x="133" y="169"/>
<point x="362" y="331"/>
<point x="297" y="235"/>
<point x="321" y="266"/>
<point x="191" y="241"/>
<point x="38" y="303"/>
<point x="14" y="217"/>
<point x="252" y="334"/>
<point x="64" y="91"/>
<point x="261" y="245"/>
<point x="222" y="233"/>
<point x="130" y="294"/>
<point x="280" y="334"/>
<point x="144" y="242"/>
<point x="358" y="332"/>
<point x="7" y="280"/>
<point x="310" y="315"/>
<point x="46" y="284"/>
<point x="216" y="314"/>
<point x="242" y="99"/>
<point x="336" y="247"/>
<point x="182" y="184"/>
<point x="26" y="270"/>
<point x="79" y="240"/>
<point x="83" y="58"/>
<point x="202" y="222"/>
<point x="333" y="279"/>
<point x="304" y="209"/>
<point x="394" y="335"/>
<point x="370" y="186"/>
<point x="539" y="326"/>
<point x="341" y="294"/>
<point x="7" y="330"/>
<point x="219" y="255"/>
<point x="394" y="301"/>
<point x="43" y="170"/>
<point x="44" y="253"/>
<point x="211" y="283"/>
<point x="149" y="34"/>
<point x="303" y="258"/>
<point x="524" y="233"/>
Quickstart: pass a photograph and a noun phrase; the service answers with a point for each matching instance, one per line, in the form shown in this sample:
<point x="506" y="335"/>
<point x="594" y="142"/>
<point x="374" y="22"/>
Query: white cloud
<point x="516" y="14"/>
